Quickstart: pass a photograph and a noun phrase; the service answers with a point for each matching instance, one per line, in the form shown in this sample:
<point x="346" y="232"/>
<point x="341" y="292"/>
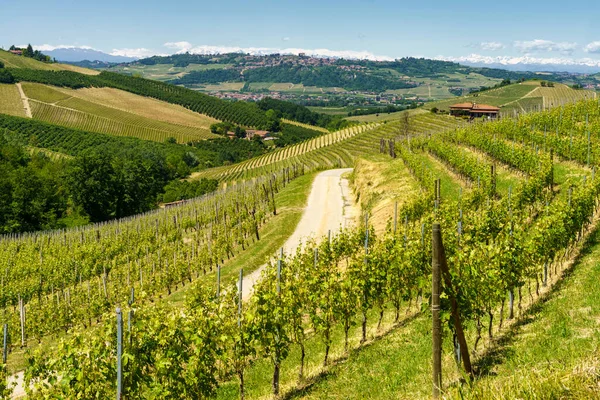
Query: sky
<point x="507" y="31"/>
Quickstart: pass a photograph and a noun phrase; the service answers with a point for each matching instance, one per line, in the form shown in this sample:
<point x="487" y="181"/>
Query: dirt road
<point x="330" y="206"/>
<point x="25" y="101"/>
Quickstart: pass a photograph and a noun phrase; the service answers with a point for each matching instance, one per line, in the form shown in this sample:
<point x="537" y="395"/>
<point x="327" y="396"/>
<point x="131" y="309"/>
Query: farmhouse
<point x="16" y="52"/>
<point x="474" y="110"/>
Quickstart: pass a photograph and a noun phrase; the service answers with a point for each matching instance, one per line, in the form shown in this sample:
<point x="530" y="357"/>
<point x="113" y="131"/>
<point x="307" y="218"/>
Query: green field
<point x="164" y="72"/>
<point x="10" y="100"/>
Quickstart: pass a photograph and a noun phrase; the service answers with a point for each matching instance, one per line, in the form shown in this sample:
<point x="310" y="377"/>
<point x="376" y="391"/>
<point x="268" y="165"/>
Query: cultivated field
<point x="10" y="101"/>
<point x="164" y="72"/>
<point x="144" y="117"/>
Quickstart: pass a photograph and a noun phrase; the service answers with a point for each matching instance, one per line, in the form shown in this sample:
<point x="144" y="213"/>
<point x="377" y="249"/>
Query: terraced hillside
<point x="94" y="110"/>
<point x="337" y="149"/>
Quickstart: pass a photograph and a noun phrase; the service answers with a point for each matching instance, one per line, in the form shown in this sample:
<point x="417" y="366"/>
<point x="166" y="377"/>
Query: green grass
<point x="10" y="100"/>
<point x="450" y="184"/>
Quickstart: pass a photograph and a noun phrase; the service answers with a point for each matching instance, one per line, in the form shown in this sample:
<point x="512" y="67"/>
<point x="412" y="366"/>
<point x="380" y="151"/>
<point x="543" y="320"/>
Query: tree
<point x="273" y="123"/>
<point x="240" y="132"/>
<point x="6" y="76"/>
<point x="28" y="52"/>
<point x="91" y="181"/>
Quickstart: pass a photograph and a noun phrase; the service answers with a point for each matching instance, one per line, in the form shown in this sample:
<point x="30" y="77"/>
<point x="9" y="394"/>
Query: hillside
<point x="517" y="97"/>
<point x="327" y="82"/>
<point x="15" y="61"/>
<point x="113" y="111"/>
<point x="385" y="274"/>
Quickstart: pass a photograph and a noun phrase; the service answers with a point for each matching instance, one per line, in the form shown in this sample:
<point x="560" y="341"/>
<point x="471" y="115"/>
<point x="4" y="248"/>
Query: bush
<point x="6" y="77"/>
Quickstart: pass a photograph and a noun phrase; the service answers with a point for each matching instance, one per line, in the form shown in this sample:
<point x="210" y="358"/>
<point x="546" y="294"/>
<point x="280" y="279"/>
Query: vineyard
<point x="10" y="101"/>
<point x="505" y="240"/>
<point x="60" y="108"/>
<point x="336" y="149"/>
<point x="242" y="113"/>
<point x="515" y="198"/>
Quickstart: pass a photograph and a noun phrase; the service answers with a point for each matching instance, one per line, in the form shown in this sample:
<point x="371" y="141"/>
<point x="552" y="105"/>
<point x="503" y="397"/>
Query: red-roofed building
<point x="474" y="110"/>
<point x="16" y="52"/>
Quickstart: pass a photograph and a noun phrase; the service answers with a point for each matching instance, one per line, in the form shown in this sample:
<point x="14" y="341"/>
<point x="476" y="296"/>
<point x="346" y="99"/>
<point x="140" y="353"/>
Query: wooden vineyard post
<point x="395" y="217"/>
<point x="458" y="329"/>
<point x="240" y="298"/>
<point x="435" y="310"/>
<point x="5" y="344"/>
<point x="119" y="354"/>
<point x="493" y="173"/>
<point x="22" y="314"/>
<point x="218" y="281"/>
<point x="551" y="169"/>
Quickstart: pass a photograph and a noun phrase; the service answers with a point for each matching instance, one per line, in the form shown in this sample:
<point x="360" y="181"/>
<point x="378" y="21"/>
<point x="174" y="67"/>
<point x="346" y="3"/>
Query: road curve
<point x="329" y="207"/>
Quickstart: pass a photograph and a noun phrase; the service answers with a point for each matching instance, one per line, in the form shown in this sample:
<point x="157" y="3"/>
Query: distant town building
<point x="474" y="110"/>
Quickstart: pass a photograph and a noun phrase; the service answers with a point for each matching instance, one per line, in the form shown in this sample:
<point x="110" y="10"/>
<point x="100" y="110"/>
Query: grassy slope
<point x="14" y="61"/>
<point x="379" y="182"/>
<point x="10" y="101"/>
<point x="76" y="109"/>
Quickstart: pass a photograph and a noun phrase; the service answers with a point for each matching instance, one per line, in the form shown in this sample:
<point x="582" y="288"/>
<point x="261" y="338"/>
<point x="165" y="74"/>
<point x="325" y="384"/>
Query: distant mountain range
<point x="76" y="54"/>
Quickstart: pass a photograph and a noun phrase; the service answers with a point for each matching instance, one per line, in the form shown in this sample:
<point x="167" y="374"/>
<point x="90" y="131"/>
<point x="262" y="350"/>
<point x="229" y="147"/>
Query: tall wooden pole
<point x="435" y="309"/>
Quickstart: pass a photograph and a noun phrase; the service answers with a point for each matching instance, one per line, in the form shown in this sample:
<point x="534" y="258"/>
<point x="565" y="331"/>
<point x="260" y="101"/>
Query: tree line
<point x="101" y="177"/>
<point x="320" y="76"/>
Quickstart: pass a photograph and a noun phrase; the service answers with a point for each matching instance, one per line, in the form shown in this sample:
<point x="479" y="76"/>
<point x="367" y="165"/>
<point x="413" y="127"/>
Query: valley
<point x="159" y="240"/>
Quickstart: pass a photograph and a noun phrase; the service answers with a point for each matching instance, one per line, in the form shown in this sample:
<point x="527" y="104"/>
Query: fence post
<point x="119" y="354"/>
<point x="435" y="310"/>
<point x="22" y="313"/>
<point x="240" y="298"/>
<point x="5" y="344"/>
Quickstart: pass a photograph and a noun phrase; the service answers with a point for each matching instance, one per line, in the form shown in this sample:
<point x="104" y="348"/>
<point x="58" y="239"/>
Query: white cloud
<point x="510" y="60"/>
<point x="539" y="45"/>
<point x="491" y="46"/>
<point x="593" y="47"/>
<point x="350" y="54"/>
<point x="134" y="53"/>
<point x="181" y="47"/>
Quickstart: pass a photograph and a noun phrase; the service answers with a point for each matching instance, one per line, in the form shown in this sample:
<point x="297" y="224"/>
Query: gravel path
<point x="330" y="206"/>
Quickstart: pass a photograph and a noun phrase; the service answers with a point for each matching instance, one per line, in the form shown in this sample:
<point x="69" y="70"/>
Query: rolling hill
<point x="15" y="61"/>
<point x="113" y="111"/>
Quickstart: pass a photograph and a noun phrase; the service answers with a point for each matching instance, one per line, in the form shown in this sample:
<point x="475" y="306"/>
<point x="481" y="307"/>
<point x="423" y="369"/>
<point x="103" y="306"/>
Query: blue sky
<point x="508" y="29"/>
